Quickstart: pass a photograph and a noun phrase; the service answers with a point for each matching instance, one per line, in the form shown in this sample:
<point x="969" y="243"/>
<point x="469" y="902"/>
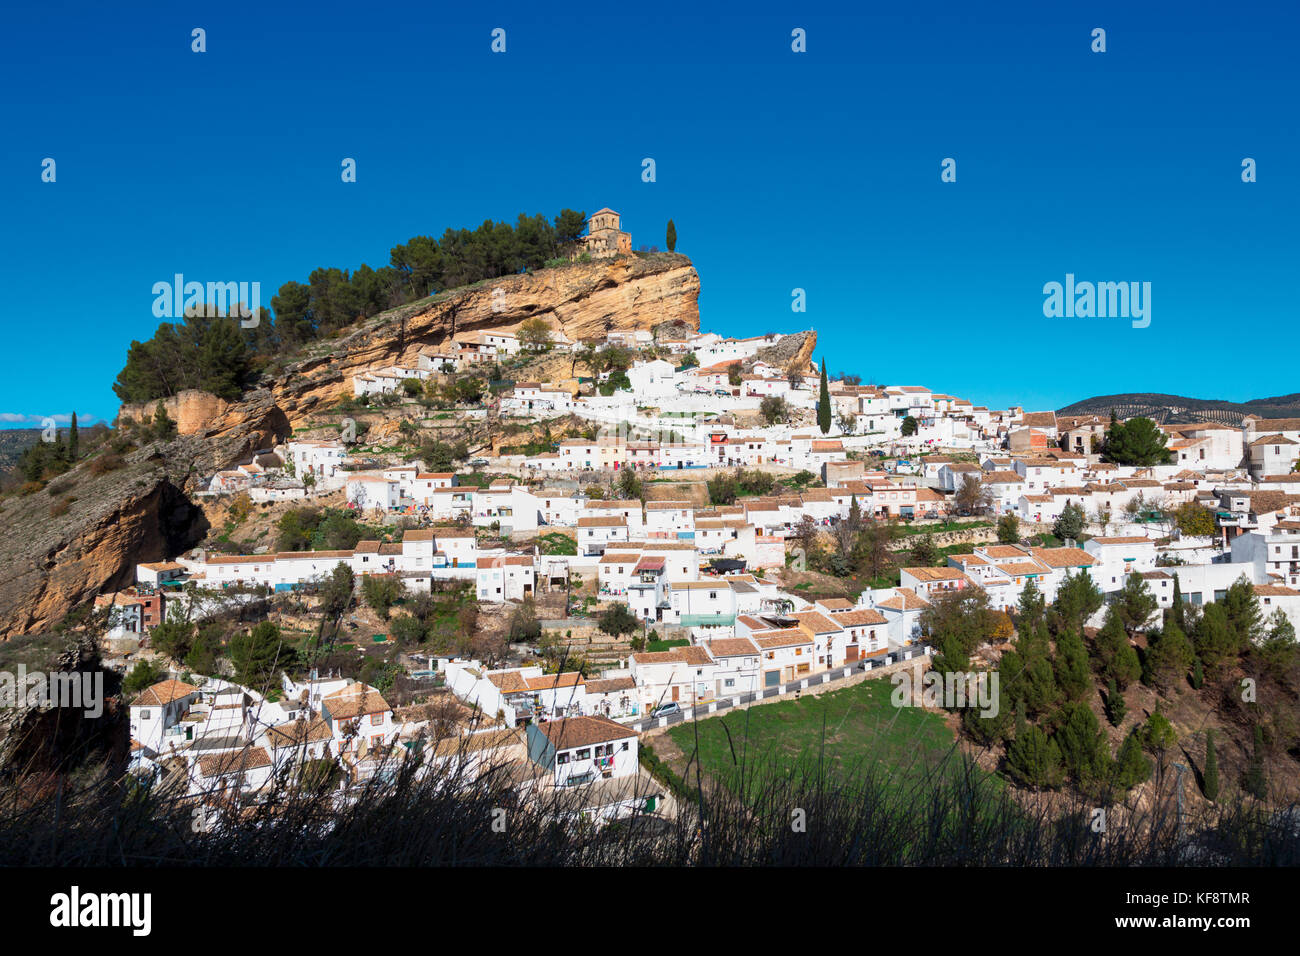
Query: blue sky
<point x="818" y="171"/>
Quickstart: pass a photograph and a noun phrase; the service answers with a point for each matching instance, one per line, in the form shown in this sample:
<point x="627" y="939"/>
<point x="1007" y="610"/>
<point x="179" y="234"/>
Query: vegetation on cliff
<point x="216" y="354"/>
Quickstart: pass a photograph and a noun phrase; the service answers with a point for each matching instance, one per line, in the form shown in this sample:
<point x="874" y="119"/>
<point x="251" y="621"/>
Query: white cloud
<point x="18" y="418"/>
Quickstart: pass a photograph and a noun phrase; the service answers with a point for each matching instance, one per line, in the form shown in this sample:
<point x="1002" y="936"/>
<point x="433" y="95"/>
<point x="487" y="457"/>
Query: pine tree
<point x="824" y="403"/>
<point x="1211" y="768"/>
<point x="1116" y="709"/>
<point x="1071" y="666"/>
<point x="1033" y="759"/>
<point x="73" y="441"/>
<point x="671" y="238"/>
<point x="1131" y="765"/>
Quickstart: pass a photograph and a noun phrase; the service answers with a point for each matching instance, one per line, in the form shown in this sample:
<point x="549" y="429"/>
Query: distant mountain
<point x="1180" y="410"/>
<point x="12" y="443"/>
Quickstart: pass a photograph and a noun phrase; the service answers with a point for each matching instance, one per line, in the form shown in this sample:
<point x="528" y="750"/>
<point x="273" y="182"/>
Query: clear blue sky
<point x="818" y="170"/>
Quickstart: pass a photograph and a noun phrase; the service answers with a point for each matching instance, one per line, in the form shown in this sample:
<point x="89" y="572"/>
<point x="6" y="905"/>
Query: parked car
<point x="931" y="514"/>
<point x="666" y="710"/>
<point x="478" y="463"/>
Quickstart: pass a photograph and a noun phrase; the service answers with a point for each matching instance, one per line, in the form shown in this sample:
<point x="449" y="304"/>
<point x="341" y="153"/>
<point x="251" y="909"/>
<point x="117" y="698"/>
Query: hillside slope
<point x="50" y="563"/>
<point x="1180" y="410"/>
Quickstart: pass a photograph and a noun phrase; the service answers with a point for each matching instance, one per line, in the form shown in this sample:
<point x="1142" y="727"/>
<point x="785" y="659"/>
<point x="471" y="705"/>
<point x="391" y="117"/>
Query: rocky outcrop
<point x="142" y="511"/>
<point x="191" y="410"/>
<point x="50" y="562"/>
<point x="584" y="300"/>
<point x="791" y="352"/>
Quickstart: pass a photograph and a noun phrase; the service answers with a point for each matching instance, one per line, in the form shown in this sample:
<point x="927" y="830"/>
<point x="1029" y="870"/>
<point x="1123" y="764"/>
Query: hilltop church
<point x="603" y="237"/>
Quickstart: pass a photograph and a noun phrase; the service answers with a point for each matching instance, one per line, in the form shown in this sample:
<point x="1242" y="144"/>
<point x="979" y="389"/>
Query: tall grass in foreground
<point x="464" y="812"/>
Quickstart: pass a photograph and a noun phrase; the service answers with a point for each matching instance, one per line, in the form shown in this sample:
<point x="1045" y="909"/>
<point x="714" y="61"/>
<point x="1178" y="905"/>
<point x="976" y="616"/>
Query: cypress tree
<point x="1176" y="612"/>
<point x="671" y="238"/>
<point x="1211" y="768"/>
<point x="73" y="440"/>
<point x="1115" y="706"/>
<point x="824" y="404"/>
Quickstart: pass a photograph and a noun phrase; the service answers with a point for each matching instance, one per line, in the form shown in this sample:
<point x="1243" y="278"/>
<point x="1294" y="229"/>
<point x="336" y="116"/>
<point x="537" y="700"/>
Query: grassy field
<point x="848" y="732"/>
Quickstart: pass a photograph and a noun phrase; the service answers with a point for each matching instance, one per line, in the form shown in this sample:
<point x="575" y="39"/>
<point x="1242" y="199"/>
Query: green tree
<point x="1077" y="599"/>
<point x="1034" y="759"/>
<point x="925" y="553"/>
<point x="1116" y="709"/>
<point x="824" y="403"/>
<point x="1032" y="605"/>
<point x="534" y="334"/>
<point x="1138" y="441"/>
<point x="1131" y="765"/>
<point x="1069" y="524"/>
<point x="203" y="653"/>
<point x="1194" y="520"/>
<point x="1243" y="611"/>
<point x="774" y="410"/>
<point x="1073" y="675"/>
<point x="617" y="620"/>
<point x="1082" y="743"/>
<point x="1008" y="529"/>
<point x="74" y="441"/>
<point x="671" y="239"/>
<point x="909" y="427"/>
<point x="164" y="428"/>
<point x="381" y="592"/>
<point x="1211" y="772"/>
<point x="1158" y="734"/>
<point x="259" y="655"/>
<point x="1134" y="604"/>
<point x="1169" y="655"/>
<point x="1215" y="640"/>
<point x="734" y="372"/>
<point x="144" y="674"/>
<point x="1119" y="661"/>
<point x="174" y="638"/>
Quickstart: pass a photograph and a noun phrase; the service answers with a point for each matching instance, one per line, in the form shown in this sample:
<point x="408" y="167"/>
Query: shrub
<point x="109" y="461"/>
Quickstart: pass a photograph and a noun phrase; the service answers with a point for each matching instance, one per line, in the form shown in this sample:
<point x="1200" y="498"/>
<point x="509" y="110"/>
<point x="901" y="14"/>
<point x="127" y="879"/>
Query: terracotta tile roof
<point x="355" y="700"/>
<point x="237" y="761"/>
<point x="789" y="637"/>
<point x="904" y="599"/>
<point x="817" y="623"/>
<point x="570" y="732"/>
<point x="731" y="647"/>
<point x="610" y="685"/>
<point x="164" y="692"/>
<point x="1063" y="557"/>
<point x="860" y="617"/>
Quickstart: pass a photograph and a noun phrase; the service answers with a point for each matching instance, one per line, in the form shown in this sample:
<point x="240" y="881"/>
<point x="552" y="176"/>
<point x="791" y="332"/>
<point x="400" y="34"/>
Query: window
<point x="144" y="715"/>
<point x="376" y="719"/>
<point x="583" y="754"/>
<point x="625" y="745"/>
<point x="562" y="758"/>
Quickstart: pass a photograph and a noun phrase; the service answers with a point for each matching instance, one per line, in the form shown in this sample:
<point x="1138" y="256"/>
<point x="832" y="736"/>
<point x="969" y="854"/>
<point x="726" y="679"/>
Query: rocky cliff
<point x="584" y="300"/>
<point x="50" y="563"/>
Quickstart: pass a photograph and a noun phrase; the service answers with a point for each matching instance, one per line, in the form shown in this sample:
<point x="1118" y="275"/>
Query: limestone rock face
<point x="583" y="300"/>
<point x="191" y="410"/>
<point x="142" y="512"/>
